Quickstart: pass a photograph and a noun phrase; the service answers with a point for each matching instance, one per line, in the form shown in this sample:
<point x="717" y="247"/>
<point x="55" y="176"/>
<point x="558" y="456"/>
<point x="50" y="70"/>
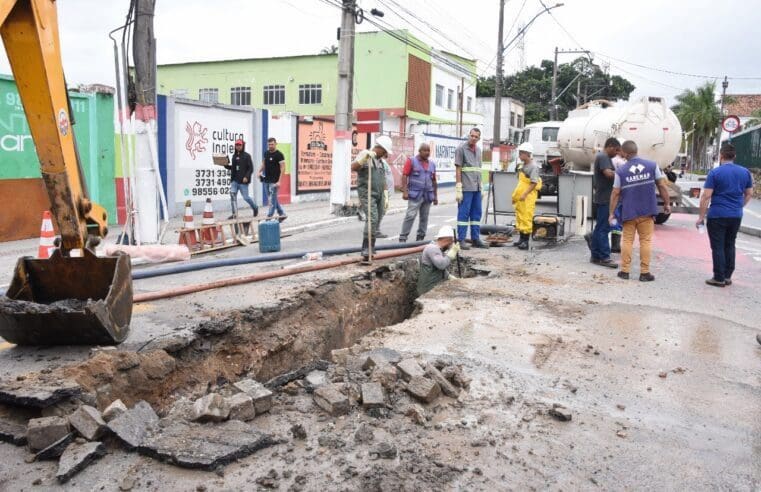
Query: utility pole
<point x="149" y="189"/>
<point x="460" y="106"/>
<point x="553" y="103"/>
<point x="340" y="183"/>
<point x="498" y="83"/>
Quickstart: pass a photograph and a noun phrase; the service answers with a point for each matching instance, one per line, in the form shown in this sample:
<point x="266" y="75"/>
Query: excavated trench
<point x="258" y="342"/>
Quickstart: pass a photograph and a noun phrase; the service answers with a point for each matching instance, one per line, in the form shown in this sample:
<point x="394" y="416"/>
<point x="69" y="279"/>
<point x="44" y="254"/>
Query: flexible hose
<point x="189" y="289"/>
<point x="203" y="265"/>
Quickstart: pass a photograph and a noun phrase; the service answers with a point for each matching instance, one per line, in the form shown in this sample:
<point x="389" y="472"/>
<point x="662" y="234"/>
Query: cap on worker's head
<point x="445" y="231"/>
<point x="384" y="142"/>
<point x="526" y="147"/>
<point x="239" y="141"/>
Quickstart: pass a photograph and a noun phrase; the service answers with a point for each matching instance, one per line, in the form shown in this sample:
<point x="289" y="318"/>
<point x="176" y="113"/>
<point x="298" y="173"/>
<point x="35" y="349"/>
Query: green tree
<point x="533" y="87"/>
<point x="755" y="119"/>
<point x="697" y="112"/>
<point x="329" y="50"/>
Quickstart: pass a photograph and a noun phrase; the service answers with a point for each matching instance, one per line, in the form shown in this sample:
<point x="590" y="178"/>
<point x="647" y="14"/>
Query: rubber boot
<point x="524" y="241"/>
<point x="615" y="243"/>
<point x="365" y="252"/>
<point x="519" y="241"/>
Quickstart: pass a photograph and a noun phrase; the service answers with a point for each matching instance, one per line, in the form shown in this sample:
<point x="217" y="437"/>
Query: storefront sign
<point x="315" y="155"/>
<point x="201" y="132"/>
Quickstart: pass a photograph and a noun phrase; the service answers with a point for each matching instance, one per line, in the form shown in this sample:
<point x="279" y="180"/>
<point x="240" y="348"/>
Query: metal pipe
<point x="190" y="289"/>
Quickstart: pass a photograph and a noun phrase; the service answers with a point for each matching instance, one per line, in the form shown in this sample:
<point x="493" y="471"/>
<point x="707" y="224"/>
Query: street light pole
<point x="724" y="85"/>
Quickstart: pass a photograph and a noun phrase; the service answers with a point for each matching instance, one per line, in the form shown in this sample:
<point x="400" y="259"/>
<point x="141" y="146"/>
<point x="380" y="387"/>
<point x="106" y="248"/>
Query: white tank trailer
<point x="648" y="121"/>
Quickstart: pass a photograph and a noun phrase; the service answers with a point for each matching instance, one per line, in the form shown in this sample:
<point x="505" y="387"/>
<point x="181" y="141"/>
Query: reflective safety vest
<point x="420" y="180"/>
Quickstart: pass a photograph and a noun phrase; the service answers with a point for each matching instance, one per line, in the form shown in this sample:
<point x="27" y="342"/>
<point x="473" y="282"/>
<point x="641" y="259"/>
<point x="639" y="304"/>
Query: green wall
<point x="257" y="73"/>
<point x="93" y="114"/>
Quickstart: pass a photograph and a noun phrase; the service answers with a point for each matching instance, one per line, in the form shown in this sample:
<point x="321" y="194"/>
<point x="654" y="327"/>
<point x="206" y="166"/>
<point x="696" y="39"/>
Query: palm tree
<point x="697" y="109"/>
<point x="329" y="50"/>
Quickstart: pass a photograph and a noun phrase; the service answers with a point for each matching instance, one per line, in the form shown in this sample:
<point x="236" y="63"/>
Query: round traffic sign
<point x="731" y="124"/>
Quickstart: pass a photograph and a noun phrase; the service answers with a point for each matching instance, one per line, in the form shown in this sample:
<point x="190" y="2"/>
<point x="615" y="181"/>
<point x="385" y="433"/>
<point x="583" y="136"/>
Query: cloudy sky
<point x="641" y="40"/>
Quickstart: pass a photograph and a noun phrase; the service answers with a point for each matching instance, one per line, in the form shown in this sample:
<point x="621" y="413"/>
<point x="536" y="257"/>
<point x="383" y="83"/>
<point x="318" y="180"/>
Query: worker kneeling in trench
<point x="435" y="260"/>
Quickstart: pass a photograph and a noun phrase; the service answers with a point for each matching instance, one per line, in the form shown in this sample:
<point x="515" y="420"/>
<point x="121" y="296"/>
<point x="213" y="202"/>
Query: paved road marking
<point x="752" y="212"/>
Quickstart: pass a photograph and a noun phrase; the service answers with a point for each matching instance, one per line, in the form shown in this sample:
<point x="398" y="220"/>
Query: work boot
<point x="646" y="277"/>
<point x="480" y="244"/>
<point x="524" y="241"/>
<point x="464" y="245"/>
<point x="623" y="275"/>
<point x="519" y="241"/>
<point x="717" y="283"/>
<point x="615" y="243"/>
<point x="420" y="238"/>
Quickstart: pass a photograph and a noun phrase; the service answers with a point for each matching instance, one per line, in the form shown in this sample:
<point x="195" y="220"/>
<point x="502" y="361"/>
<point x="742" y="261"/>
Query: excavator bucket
<point x="83" y="300"/>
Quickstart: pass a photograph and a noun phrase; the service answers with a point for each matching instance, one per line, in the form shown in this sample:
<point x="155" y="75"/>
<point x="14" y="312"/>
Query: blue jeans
<point x="469" y="214"/>
<point x="600" y="242"/>
<point x="271" y="189"/>
<point x="722" y="233"/>
<point x="235" y="187"/>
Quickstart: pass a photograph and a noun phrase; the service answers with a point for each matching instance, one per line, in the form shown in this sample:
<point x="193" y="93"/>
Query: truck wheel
<point x="661" y="218"/>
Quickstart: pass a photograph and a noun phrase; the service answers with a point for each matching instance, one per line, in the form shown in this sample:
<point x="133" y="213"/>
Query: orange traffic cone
<point x="47" y="237"/>
<point x="189" y="235"/>
<point x="209" y="235"/>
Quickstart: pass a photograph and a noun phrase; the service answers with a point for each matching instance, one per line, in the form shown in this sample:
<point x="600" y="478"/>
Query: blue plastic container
<point x="269" y="236"/>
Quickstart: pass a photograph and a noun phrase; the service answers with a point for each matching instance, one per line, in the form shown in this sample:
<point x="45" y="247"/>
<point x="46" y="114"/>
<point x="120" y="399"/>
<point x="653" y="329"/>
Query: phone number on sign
<point x="204" y="192"/>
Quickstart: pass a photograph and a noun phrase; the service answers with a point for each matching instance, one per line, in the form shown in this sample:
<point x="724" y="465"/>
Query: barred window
<point x="240" y="96"/>
<point x="274" y="94"/>
<point x="208" y="95"/>
<point x="310" y="94"/>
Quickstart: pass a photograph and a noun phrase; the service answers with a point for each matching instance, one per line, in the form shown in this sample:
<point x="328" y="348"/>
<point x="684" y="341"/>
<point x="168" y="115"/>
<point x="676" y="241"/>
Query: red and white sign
<point x="369" y="121"/>
<point x="731" y="124"/>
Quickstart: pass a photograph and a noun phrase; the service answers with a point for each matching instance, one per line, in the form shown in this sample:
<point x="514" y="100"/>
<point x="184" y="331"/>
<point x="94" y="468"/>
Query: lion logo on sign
<point x="196" y="138"/>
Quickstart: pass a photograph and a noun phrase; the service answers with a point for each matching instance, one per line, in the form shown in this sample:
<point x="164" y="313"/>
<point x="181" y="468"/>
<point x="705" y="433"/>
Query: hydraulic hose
<point x="203" y="265"/>
<point x="189" y="289"/>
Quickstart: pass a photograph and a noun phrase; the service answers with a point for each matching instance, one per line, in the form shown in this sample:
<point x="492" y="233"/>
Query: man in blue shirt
<point x="728" y="188"/>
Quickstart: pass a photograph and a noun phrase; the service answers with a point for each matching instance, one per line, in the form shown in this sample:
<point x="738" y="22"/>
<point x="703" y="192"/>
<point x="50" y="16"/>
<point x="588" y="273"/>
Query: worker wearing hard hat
<point x="525" y="193"/>
<point x="372" y="188"/>
<point x="436" y="258"/>
<point x="467" y="161"/>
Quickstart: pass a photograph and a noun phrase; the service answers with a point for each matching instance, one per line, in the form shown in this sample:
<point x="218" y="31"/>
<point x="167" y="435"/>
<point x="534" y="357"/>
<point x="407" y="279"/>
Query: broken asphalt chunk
<point x="12" y="432"/>
<point x="379" y="357"/>
<point x="38" y="395"/>
<point x="258" y="392"/>
<point x="131" y="426"/>
<point x="241" y="407"/>
<point x="410" y="369"/>
<point x="56" y="449"/>
<point x="77" y="457"/>
<point x="204" y="447"/>
<point x="372" y="395"/>
<point x="559" y="412"/>
<point x="116" y="408"/>
<point x="446" y="387"/>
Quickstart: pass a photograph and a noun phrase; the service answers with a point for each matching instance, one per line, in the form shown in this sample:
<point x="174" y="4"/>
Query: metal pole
<point x="461" y="106"/>
<point x="553" y="103"/>
<point x="498" y="82"/>
<point x="724" y="85"/>
<point x="340" y="178"/>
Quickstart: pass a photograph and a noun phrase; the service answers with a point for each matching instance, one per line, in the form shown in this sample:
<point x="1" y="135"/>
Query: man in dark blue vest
<point x="635" y="183"/>
<point x="420" y="190"/>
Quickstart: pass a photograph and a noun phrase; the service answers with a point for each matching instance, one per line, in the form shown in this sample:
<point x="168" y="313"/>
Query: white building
<point x="512" y="119"/>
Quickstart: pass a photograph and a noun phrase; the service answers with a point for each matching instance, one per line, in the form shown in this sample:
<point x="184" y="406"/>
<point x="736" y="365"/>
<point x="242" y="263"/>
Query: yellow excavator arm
<point x="69" y="298"/>
<point x="29" y="29"/>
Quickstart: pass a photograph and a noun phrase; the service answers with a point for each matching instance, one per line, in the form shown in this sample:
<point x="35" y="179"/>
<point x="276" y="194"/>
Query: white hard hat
<point x="445" y="231"/>
<point x="384" y="142"/>
<point x="526" y="147"/>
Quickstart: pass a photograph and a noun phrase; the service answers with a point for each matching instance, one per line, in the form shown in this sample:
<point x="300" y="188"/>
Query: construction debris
<point x="116" y="408"/>
<point x="37" y="394"/>
<point x="211" y="408"/>
<point x="88" y="422"/>
<point x="45" y="431"/>
<point x="77" y="457"/>
<point x="131" y="426"/>
<point x="330" y="399"/>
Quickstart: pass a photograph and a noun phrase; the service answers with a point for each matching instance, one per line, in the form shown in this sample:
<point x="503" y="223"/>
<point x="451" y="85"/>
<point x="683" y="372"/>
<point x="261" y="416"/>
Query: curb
<point x="751" y="231"/>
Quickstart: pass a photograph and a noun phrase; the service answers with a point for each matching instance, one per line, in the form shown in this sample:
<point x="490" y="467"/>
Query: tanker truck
<point x="647" y="121"/>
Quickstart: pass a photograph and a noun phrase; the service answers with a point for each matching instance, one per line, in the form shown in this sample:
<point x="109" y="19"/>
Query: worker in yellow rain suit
<point x="525" y="193"/>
